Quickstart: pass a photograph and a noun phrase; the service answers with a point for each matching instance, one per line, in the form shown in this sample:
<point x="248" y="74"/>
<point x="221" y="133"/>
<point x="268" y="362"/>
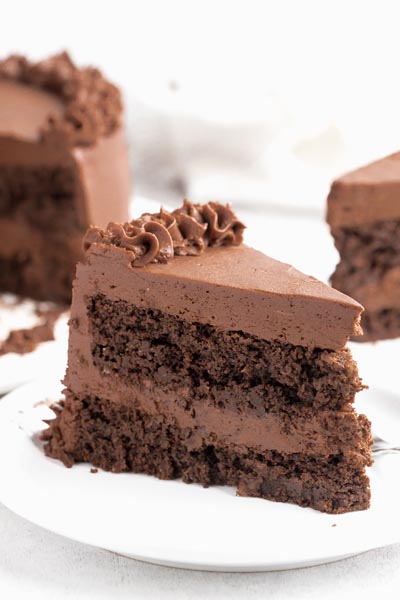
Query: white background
<point x="254" y="101"/>
<point x="257" y="102"/>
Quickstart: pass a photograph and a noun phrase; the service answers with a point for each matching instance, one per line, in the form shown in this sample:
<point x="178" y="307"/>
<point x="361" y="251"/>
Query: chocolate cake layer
<point x="228" y="368"/>
<point x="382" y="324"/>
<point x="42" y="195"/>
<point x="376" y="291"/>
<point x="36" y="263"/>
<point x="371" y="249"/>
<point x="369" y="270"/>
<point x="121" y="438"/>
<point x="63" y="165"/>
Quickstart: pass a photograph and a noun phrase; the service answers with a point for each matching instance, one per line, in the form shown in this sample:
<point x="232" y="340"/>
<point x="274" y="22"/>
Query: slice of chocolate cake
<point x="63" y="166"/>
<point x="192" y="355"/>
<point x="364" y="217"/>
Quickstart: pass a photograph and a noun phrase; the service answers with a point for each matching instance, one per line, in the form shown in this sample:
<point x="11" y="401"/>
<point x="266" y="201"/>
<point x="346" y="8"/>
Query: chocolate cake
<point x="364" y="217"/>
<point x="194" y="356"/>
<point x="63" y="166"/>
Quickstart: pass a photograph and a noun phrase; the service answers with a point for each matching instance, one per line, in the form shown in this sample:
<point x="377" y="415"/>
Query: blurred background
<point x="259" y="103"/>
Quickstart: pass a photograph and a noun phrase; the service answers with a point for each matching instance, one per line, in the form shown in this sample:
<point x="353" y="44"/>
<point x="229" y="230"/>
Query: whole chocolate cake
<point x="364" y="217"/>
<point x="194" y="356"/>
<point x="63" y="166"/>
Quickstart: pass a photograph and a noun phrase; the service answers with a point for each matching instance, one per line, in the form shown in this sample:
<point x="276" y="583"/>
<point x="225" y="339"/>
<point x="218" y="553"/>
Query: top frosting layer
<point x="24" y="110"/>
<point x="158" y="237"/>
<point x="93" y="105"/>
<point x="366" y="195"/>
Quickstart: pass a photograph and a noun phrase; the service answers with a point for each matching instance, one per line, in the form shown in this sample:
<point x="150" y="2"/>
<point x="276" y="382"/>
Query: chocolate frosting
<point x="93" y="106"/>
<point x="366" y="195"/>
<point x="158" y="237"/>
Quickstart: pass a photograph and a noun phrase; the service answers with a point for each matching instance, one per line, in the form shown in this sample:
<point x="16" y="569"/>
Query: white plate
<point x="49" y="359"/>
<point x="172" y="523"/>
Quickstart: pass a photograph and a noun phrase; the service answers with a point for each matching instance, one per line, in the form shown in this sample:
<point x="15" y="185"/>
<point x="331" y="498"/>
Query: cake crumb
<point x="49" y="403"/>
<point x="334" y="525"/>
<point x="24" y="341"/>
<point x="94" y="470"/>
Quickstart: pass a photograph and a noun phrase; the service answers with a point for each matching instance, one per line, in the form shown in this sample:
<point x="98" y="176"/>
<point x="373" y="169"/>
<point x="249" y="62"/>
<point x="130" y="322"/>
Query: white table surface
<point x="39" y="565"/>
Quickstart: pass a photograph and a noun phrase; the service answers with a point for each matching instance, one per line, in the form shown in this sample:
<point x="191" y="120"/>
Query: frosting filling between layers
<point x="226" y="367"/>
<point x="166" y="366"/>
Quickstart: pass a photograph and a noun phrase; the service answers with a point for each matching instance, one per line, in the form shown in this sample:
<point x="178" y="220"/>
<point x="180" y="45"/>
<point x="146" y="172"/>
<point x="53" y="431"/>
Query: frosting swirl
<point x="158" y="237"/>
<point x="93" y="105"/>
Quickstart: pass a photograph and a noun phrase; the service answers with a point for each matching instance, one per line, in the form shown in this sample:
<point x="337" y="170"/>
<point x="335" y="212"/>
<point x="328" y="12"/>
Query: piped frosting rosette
<point x="158" y="237"/>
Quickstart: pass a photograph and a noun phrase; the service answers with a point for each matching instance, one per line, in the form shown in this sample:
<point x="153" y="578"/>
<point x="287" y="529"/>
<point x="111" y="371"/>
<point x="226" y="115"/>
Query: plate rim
<point x="8" y="407"/>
